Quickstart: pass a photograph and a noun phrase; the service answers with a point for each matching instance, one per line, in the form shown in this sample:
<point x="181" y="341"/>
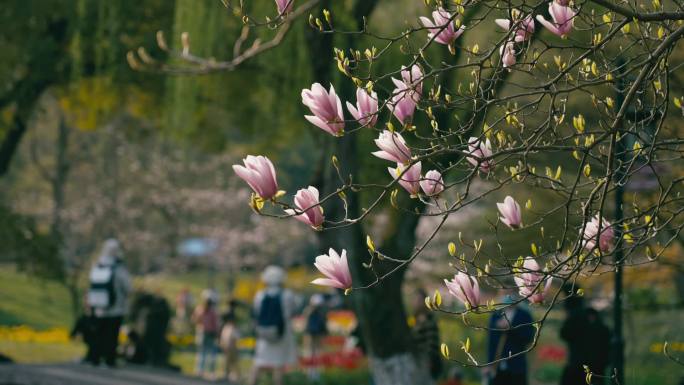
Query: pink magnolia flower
<point x="335" y="268"/>
<point x="465" y="288"/>
<point x="284" y="6"/>
<point x="562" y="16"/>
<point x="432" y="184"/>
<point x="480" y="150"/>
<point x="442" y="27"/>
<point x="366" y="110"/>
<point x="532" y="283"/>
<point x="326" y="108"/>
<point x="310" y="212"/>
<point x="259" y="174"/>
<point x="605" y="240"/>
<point x="393" y="147"/>
<point x="510" y="212"/>
<point x="507" y="52"/>
<point x="410" y="180"/>
<point x="562" y="2"/>
<point x="403" y="102"/>
<point x="413" y="78"/>
<point x="523" y="28"/>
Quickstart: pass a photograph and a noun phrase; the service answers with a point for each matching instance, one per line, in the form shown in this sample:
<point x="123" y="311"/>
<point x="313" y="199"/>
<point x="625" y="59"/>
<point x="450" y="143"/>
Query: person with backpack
<point x="316" y="317"/>
<point x="275" y="342"/>
<point x="206" y="322"/>
<point x="110" y="285"/>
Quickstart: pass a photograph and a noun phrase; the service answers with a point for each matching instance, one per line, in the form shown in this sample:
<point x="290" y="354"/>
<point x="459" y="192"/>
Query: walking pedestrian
<point x="588" y="341"/>
<point x="316" y="317"/>
<point x="228" y="342"/>
<point x="110" y="286"/>
<point x="273" y="309"/>
<point x="510" y="334"/>
<point x="206" y="323"/>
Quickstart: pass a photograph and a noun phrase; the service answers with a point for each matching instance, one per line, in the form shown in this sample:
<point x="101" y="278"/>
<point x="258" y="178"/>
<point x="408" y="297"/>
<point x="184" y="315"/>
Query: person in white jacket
<point x="274" y="308"/>
<point x="110" y="286"/>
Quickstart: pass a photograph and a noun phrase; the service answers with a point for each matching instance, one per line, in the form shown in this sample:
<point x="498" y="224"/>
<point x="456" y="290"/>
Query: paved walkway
<point x="75" y="374"/>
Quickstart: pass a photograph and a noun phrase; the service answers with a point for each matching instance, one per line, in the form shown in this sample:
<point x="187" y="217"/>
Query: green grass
<point x="34" y="302"/>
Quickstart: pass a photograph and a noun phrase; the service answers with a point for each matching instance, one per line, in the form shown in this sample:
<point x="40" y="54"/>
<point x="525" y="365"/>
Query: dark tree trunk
<point x="380" y="309"/>
<point x="46" y="66"/>
<point x="25" y="95"/>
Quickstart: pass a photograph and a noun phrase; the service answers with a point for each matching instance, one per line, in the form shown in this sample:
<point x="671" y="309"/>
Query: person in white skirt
<point x="274" y="307"/>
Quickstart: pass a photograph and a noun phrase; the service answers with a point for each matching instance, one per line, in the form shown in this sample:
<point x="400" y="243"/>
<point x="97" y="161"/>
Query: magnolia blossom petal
<point x="479" y="151"/>
<point x="442" y="27"/>
<point x="284" y="6"/>
<point x="335" y="268"/>
<point x="532" y="282"/>
<point x="328" y="282"/>
<point x="392" y="147"/>
<point x="507" y="52"/>
<point x="510" y="211"/>
<point x="503" y="23"/>
<point x="259" y="173"/>
<point x="309" y="211"/>
<point x="366" y="109"/>
<point x="432" y="184"/>
<point x="409" y="180"/>
<point x="326" y="107"/>
<point x="563" y="19"/>
<point x="591" y="231"/>
<point x="465" y="288"/>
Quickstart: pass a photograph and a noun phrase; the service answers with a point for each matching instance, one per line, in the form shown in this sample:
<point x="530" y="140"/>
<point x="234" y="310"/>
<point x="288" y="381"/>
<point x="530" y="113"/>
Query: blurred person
<point x="149" y="318"/>
<point x="110" y="286"/>
<point x="273" y="309"/>
<point x="228" y="342"/>
<point x="425" y="333"/>
<point x="85" y="328"/>
<point x="183" y="312"/>
<point x="510" y="332"/>
<point x="316" y="329"/>
<point x="206" y="323"/>
<point x="133" y="350"/>
<point x="588" y="341"/>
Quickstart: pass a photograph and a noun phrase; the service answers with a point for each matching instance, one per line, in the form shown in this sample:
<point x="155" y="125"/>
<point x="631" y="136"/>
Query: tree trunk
<point x="45" y="66"/>
<point x="380" y="309"/>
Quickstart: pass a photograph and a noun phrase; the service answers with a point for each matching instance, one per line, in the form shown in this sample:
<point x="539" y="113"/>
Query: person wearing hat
<point x="275" y="343"/>
<point x="110" y="286"/>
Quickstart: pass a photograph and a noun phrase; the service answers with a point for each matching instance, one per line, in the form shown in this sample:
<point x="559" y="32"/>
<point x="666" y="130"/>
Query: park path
<point x="75" y="374"/>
